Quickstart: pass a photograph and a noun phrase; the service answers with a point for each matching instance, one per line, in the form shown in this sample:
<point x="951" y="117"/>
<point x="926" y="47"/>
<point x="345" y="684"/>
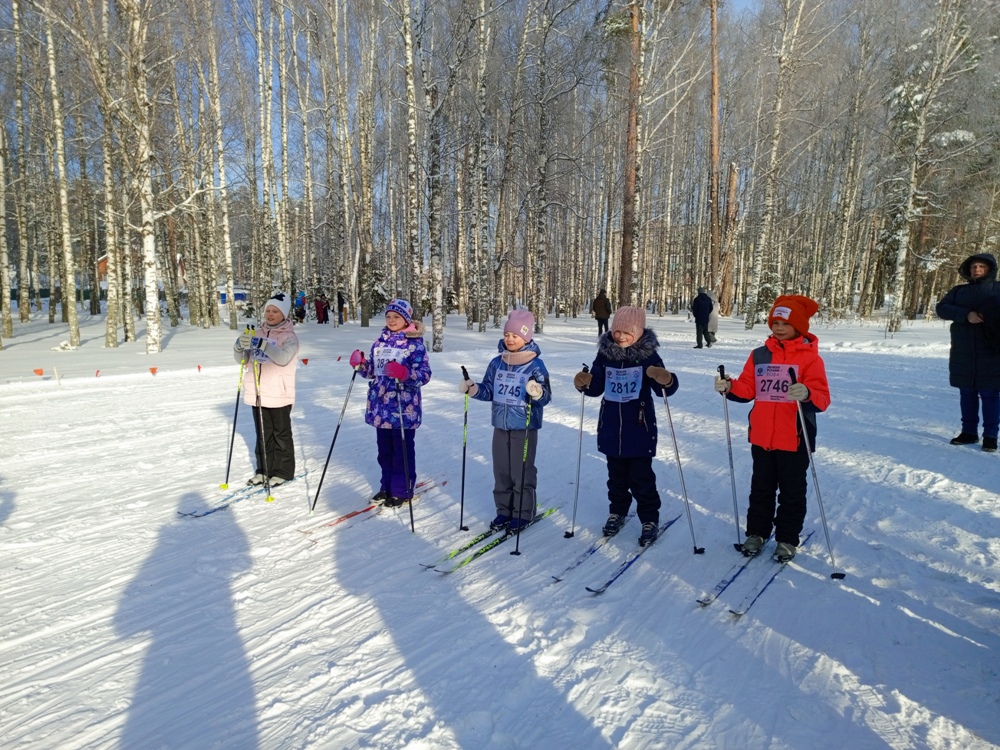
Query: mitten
<point x="259" y="343"/>
<point x="581" y="381"/>
<point x="245" y="341"/>
<point x="469" y="386"/>
<point x="534" y="389"/>
<point x="723" y="385"/>
<point x="357" y="358"/>
<point x="798" y="392"/>
<point x="661" y="375"/>
<point x="396" y="370"/>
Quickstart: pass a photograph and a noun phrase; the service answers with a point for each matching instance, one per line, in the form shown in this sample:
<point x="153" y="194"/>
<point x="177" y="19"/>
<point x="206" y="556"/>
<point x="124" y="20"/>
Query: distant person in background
<point x="300" y="308"/>
<point x="974" y="359"/>
<point x="341" y="307"/>
<point x="701" y="309"/>
<point x="713" y="319"/>
<point x="322" y="309"/>
<point x="601" y="308"/>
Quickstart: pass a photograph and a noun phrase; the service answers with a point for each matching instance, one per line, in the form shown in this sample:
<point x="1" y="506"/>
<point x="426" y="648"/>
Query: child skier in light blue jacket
<point x="517" y="383"/>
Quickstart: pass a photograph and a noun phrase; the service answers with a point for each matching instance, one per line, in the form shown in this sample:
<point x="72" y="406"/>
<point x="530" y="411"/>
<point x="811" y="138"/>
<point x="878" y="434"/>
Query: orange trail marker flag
<point x="39" y="372"/>
<point x="152" y="370"/>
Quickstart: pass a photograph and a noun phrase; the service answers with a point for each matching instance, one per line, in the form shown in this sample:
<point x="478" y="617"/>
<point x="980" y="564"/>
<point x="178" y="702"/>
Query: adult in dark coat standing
<point x="974" y="359"/>
<point x="701" y="308"/>
<point x="601" y="308"/>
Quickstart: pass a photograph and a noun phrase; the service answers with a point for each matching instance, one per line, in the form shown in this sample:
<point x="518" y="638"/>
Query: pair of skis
<point x="628" y="562"/>
<point x="762" y="569"/>
<point x="419" y="490"/>
<point x="250" y="490"/>
<point x="480" y="544"/>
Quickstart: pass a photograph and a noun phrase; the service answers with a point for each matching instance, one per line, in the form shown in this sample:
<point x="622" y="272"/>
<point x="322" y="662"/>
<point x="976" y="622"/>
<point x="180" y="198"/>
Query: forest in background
<point x="477" y="154"/>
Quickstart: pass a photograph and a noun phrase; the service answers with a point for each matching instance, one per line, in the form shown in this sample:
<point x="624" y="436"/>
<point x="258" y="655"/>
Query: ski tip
<point x="838" y="576"/>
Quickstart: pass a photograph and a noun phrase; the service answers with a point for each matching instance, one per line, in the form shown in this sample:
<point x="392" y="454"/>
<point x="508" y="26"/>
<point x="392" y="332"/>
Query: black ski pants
<point x="778" y="477"/>
<point x="633" y="477"/>
<point x="277" y="424"/>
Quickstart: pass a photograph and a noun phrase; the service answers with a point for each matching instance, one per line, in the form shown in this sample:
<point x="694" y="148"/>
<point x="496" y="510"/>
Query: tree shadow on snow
<point x="194" y="688"/>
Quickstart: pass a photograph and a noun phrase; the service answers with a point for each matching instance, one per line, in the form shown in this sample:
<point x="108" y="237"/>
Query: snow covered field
<point x="127" y="625"/>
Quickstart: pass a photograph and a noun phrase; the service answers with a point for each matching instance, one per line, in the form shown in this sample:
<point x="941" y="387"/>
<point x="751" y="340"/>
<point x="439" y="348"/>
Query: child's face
<point x="783" y="330"/>
<point x="272" y="315"/>
<point x="395" y="322"/>
<point x="624" y="339"/>
<point x="513" y="342"/>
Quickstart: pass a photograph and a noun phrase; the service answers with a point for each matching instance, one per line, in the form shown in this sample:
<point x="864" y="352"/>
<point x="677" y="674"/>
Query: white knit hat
<point x="281" y="301"/>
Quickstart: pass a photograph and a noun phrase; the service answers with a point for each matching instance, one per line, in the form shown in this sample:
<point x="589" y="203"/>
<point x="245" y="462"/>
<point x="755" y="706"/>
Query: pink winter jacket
<point x="277" y="366"/>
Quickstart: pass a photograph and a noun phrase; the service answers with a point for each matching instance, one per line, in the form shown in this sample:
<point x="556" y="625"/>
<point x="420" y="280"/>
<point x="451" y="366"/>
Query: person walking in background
<point x="701" y="309"/>
<point x="321" y="307"/>
<point x="601" y="309"/>
<point x="713" y="319"/>
<point x="341" y="307"/>
<point x="625" y="374"/>
<point x="514" y="379"/>
<point x="398" y="368"/>
<point x="974" y="359"/>
<point x="269" y="357"/>
<point x="779" y="450"/>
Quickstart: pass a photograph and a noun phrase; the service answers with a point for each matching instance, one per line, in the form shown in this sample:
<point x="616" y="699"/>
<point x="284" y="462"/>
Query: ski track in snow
<point x="127" y="625"/>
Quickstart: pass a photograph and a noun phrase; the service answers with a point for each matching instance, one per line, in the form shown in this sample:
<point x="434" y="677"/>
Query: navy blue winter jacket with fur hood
<point x="628" y="429"/>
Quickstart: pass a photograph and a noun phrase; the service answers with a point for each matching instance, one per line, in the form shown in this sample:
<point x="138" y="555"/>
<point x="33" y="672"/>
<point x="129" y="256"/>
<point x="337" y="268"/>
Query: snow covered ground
<point x="127" y="625"/>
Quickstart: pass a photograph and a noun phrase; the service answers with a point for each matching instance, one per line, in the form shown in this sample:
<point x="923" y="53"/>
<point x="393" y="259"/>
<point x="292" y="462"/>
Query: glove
<point x="534" y="389"/>
<point x="798" y="392"/>
<point x="468" y="386"/>
<point x="661" y="375"/>
<point x="245" y="341"/>
<point x="397" y="371"/>
<point x="581" y="381"/>
<point x="259" y="342"/>
<point x="723" y="385"/>
<point x="357" y="358"/>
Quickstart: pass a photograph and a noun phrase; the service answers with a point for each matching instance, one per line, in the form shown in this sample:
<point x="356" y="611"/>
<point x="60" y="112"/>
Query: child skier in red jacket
<point x="780" y="457"/>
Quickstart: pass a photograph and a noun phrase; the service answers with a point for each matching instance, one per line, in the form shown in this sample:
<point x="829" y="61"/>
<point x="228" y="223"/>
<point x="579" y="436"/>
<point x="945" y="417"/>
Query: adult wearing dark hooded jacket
<point x="974" y="360"/>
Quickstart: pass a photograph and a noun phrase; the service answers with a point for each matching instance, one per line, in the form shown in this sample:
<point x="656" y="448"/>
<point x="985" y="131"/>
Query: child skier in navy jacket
<point x="626" y="373"/>
<point x="514" y="379"/>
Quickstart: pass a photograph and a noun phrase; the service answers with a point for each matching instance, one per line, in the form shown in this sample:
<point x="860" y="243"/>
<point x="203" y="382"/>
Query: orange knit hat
<point x="795" y="309"/>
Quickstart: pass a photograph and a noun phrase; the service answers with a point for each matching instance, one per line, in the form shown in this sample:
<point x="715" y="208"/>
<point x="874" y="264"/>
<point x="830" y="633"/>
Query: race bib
<point x="384" y="355"/>
<point x="622" y="385"/>
<point x="772" y="381"/>
<point x="508" y="387"/>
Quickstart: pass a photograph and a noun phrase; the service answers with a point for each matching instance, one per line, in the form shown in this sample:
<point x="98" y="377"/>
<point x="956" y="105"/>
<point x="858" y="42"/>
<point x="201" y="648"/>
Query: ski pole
<point x="402" y="435"/>
<point x="236" y="411"/>
<point x="465" y="434"/>
<point x="732" y="472"/>
<point x="819" y="498"/>
<point x="260" y="434"/>
<point x="677" y="456"/>
<point x="579" y="452"/>
<point x="520" y="502"/>
<point x="334" y="441"/>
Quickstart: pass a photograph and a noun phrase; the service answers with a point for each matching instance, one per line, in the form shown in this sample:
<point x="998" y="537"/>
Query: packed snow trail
<point x="127" y="625"/>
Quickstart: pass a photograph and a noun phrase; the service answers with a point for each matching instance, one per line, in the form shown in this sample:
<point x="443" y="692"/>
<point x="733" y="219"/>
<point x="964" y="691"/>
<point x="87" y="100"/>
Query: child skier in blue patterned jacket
<point x="397" y="367"/>
<point x="626" y="372"/>
<point x="517" y="384"/>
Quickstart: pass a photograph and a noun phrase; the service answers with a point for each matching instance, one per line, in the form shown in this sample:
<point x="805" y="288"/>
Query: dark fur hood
<point x="641" y="350"/>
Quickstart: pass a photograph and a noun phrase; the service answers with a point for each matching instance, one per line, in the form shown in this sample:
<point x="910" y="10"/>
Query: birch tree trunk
<point x="23" y="286"/>
<point x="7" y="323"/>
<point x="215" y="96"/>
<point x="412" y="230"/>
<point x="68" y="287"/>
<point x="791" y="18"/>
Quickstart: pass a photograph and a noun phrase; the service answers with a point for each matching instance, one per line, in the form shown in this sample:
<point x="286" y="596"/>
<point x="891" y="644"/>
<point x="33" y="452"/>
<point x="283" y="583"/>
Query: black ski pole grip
<point x="722" y="371"/>
<point x="585" y="367"/>
<point x="465" y="373"/>
<point x="791" y="375"/>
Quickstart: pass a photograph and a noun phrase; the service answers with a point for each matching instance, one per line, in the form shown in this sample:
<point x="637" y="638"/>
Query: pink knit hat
<point x="521" y="322"/>
<point x="631" y="320"/>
